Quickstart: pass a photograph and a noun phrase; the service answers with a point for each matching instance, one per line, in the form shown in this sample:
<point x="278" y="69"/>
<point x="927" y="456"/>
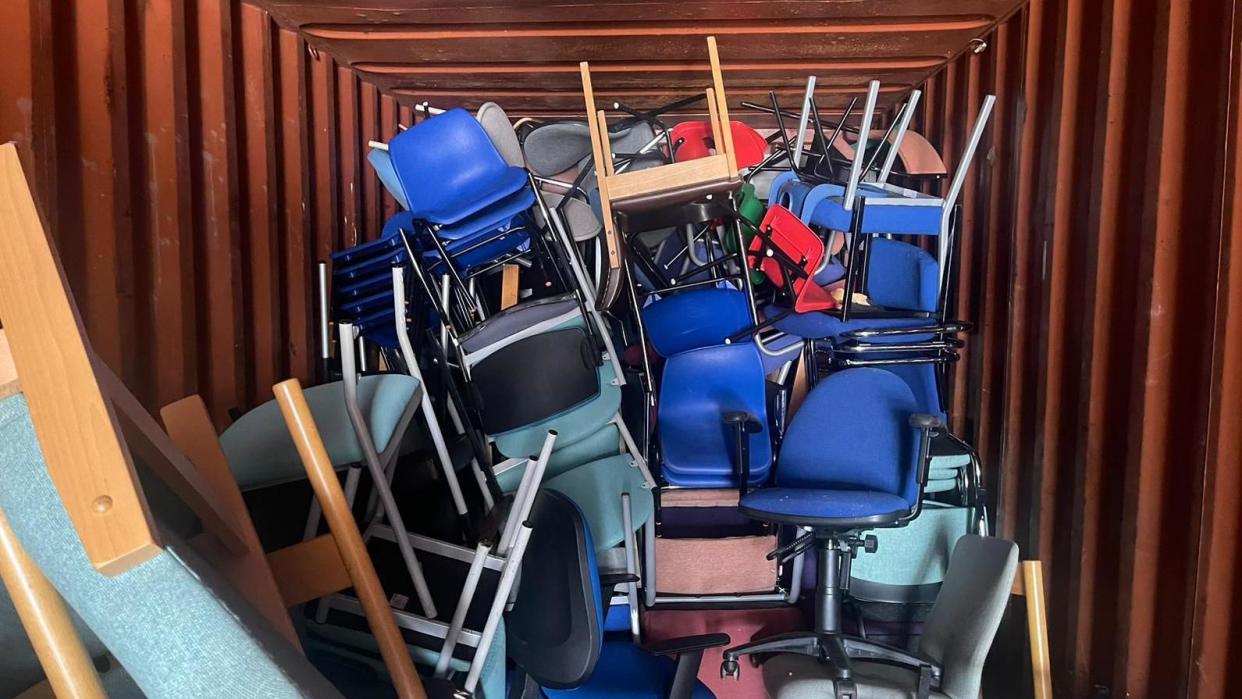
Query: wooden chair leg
<point x="1037" y="627"/>
<point x="724" y="144"/>
<point x="353" y="551"/>
<point x="65" y="661"/>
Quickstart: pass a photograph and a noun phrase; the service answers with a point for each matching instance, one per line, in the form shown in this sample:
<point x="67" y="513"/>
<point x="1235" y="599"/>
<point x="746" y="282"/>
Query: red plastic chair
<point x="788" y="253"/>
<point x="749" y="146"/>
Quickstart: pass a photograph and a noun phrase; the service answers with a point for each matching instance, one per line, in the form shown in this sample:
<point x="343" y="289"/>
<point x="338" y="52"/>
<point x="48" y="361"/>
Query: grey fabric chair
<point x="956" y="638"/>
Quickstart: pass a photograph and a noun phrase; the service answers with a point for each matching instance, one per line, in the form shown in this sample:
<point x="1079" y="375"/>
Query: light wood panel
<point x="76" y="426"/>
<point x="190" y="429"/>
<point x="309" y="570"/>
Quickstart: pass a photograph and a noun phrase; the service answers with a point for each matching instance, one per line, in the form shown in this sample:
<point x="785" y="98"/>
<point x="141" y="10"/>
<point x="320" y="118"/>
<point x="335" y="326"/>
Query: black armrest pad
<point x="923" y="421"/>
<point x="739" y="417"/>
<point x="687" y="644"/>
<point x="614" y="579"/>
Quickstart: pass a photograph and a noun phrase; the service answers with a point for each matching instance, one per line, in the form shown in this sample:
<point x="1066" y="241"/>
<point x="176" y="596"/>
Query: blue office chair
<point x="556" y="636"/>
<point x="854" y="458"/>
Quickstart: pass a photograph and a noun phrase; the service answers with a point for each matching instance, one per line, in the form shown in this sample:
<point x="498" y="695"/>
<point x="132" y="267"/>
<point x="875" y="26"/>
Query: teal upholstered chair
<point x="177" y="628"/>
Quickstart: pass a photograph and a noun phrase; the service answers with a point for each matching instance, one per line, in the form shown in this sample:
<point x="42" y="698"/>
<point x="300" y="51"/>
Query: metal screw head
<point x="978" y="46"/>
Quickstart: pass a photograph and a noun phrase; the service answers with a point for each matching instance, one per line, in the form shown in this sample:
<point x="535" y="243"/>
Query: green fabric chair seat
<point x="603" y="443"/>
<point x="597" y="487"/>
<point x="261" y="452"/>
<point x="914" y="555"/>
<point x="171" y="622"/>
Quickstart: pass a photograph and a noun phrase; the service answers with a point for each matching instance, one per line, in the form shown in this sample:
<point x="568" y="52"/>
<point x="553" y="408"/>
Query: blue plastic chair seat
<point x="698" y="388"/>
<point x="261" y="452"/>
<point x="626" y="671"/>
<point x="500" y="215"/>
<point x="596" y="489"/>
<point x="696" y="318"/>
<point x="823" y="507"/>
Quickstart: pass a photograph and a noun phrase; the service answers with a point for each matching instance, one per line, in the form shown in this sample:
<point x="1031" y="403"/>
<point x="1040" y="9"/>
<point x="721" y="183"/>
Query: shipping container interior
<point x="632" y="348"/>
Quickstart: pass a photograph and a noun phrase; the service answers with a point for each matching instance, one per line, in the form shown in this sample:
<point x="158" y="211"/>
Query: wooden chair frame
<point x="90" y="427"/>
<point x="618" y="187"/>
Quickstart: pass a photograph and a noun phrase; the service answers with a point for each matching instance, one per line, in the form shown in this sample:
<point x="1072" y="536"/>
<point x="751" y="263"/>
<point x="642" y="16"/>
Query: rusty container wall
<point x="193" y="160"/>
<point x="1102" y="261"/>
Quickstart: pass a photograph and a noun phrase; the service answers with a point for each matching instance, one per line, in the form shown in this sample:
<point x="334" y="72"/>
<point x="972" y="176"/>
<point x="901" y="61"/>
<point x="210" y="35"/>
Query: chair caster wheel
<point x="729" y="670"/>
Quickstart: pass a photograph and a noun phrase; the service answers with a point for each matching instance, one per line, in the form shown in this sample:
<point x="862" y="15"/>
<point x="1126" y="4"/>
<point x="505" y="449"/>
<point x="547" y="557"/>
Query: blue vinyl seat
<point x="556" y="632"/>
<point x="700" y="391"/>
<point x="854" y="458"/>
<point x="450" y="170"/>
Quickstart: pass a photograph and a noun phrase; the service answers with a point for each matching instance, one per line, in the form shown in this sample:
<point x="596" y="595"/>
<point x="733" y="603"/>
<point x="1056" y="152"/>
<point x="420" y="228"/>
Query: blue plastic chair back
<point x="699" y="387"/>
<point x="901" y="275"/>
<point x="382" y="162"/>
<point x="852" y="433"/>
<point x="696" y="318"/>
<point x="450" y="170"/>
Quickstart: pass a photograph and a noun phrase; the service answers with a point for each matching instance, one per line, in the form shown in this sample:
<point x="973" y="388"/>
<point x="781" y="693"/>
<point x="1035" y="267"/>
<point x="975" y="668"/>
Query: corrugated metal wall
<point x="1103" y="262"/>
<point x="194" y="160"/>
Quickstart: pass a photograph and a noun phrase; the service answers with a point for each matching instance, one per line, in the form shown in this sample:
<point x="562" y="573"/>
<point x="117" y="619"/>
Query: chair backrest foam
<point x="963" y="622"/>
<point x="176" y="627"/>
<point x="852" y="433"/>
<point x="443" y="159"/>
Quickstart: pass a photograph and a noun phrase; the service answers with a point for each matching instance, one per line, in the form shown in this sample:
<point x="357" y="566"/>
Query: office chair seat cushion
<point x="513" y="387"/>
<point x="449" y="169"/>
<point x="791" y="676"/>
<point x="583" y="223"/>
<point x="881" y="214"/>
<point x="839" y="509"/>
<point x="911" y="557"/>
<point x="261" y="452"/>
<point x="555" y="147"/>
<point x="603" y="443"/>
<point x="818" y="325"/>
<point x="626" y="671"/>
<point x="596" y="489"/>
<point x="698" y="389"/>
<point x="695" y="318"/>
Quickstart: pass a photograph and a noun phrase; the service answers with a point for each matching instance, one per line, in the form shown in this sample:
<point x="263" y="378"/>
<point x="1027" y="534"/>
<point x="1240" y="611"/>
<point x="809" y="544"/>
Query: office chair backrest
<point x="444" y="159"/>
<point x="902" y="276"/>
<point x="852" y="432"/>
<point x="963" y="622"/>
<point x="555" y="631"/>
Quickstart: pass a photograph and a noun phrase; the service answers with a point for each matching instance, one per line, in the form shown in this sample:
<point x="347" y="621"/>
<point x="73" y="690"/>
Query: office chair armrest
<point x="744" y="425"/>
<point x="861" y="649"/>
<point x="926" y="422"/>
<point x="687" y="644"/>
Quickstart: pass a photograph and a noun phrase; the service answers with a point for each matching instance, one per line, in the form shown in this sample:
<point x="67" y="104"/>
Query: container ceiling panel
<point x="644" y="52"/>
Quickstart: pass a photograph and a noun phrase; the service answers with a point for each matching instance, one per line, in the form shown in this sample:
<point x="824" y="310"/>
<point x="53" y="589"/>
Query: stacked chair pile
<point x="595" y="369"/>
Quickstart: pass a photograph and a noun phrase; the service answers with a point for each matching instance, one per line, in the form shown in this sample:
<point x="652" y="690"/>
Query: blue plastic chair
<point x="695" y="318"/>
<point x="556" y="630"/>
<point x="709" y="399"/>
<point x="854" y="458"/>
<point x="449" y="169"/>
